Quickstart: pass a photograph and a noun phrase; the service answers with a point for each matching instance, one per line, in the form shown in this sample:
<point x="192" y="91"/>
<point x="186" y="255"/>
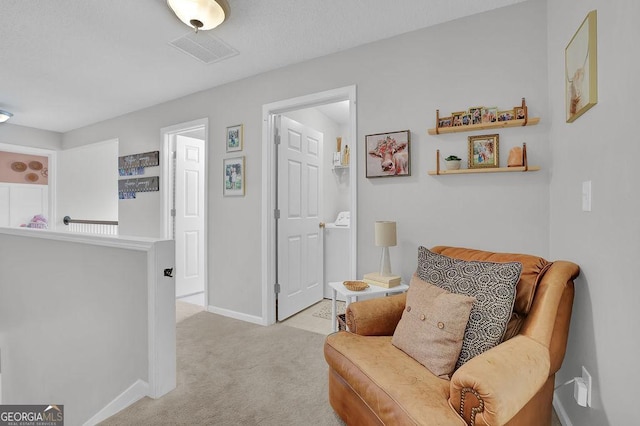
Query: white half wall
<point x="83" y="318"/>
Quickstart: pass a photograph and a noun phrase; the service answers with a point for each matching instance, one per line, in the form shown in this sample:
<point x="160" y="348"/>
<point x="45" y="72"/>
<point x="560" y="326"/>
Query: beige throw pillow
<point x="432" y="326"/>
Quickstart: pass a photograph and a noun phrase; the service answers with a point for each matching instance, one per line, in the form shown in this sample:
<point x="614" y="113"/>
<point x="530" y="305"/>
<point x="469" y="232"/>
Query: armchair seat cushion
<point x="382" y="376"/>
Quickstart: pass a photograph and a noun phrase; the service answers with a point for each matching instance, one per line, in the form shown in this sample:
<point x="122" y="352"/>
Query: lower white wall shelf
<point x="525" y="168"/>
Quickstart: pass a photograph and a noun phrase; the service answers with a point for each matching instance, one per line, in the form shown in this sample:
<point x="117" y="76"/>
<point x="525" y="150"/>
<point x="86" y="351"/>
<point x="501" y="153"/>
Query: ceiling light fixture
<point x="5" y="115"/>
<point x="198" y="14"/>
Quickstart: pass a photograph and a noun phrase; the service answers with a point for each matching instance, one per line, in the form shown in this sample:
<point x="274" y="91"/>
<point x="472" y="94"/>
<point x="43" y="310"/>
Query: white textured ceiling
<point x="65" y="64"/>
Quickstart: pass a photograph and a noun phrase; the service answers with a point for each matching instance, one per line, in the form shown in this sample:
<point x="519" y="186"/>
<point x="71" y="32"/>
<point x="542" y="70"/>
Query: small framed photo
<point x="234" y="176"/>
<point x="466" y="119"/>
<point x="490" y="114"/>
<point x="519" y="113"/>
<point x="388" y="154"/>
<point x="445" y="122"/>
<point x="484" y="151"/>
<point x="476" y="114"/>
<point x="456" y="118"/>
<point x="505" y="115"/>
<point x="235" y="138"/>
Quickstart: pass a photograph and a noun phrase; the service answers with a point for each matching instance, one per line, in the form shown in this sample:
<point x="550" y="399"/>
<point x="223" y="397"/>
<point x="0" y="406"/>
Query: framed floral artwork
<point x="484" y="151"/>
<point x="581" y="69"/>
<point x="388" y="154"/>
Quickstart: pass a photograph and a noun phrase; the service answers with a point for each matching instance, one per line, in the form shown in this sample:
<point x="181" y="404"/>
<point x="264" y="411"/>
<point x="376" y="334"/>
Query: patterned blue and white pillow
<point x="493" y="285"/>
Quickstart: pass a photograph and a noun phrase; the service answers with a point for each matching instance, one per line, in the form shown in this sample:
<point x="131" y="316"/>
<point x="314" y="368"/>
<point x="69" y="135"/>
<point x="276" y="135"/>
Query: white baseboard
<point x="236" y="315"/>
<point x="135" y="392"/>
<point x="560" y="411"/>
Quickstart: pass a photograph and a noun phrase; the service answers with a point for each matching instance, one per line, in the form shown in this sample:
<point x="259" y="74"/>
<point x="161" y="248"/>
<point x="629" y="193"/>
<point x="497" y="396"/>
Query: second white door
<point x="189" y="215"/>
<point x="300" y="242"/>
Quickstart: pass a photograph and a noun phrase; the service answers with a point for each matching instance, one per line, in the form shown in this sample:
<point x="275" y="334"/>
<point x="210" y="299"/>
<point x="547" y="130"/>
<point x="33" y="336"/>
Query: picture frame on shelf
<point x="234" y="177"/>
<point x="388" y="154"/>
<point x="519" y="113"/>
<point x="476" y="114"/>
<point x="506" y="115"/>
<point x="456" y="118"/>
<point x="466" y="119"/>
<point x="445" y="121"/>
<point x="489" y="114"/>
<point x="235" y="138"/>
<point x="484" y="151"/>
<point x="581" y="69"/>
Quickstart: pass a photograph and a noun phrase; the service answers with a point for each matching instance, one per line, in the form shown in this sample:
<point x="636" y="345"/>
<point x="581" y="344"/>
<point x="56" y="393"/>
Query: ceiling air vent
<point x="204" y="47"/>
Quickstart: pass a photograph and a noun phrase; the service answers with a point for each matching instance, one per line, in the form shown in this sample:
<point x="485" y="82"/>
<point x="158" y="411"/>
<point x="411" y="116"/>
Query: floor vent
<point x="204" y="47"/>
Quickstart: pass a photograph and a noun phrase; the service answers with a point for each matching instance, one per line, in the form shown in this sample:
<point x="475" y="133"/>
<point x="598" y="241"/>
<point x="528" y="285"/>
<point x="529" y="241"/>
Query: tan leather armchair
<point x="372" y="382"/>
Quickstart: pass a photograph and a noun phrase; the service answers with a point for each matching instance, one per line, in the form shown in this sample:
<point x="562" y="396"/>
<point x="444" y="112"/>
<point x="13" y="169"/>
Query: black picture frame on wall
<point x="388" y="154"/>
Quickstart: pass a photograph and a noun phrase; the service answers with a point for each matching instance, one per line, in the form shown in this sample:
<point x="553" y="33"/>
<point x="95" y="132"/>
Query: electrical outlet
<point x="587" y="381"/>
<point x="580" y="391"/>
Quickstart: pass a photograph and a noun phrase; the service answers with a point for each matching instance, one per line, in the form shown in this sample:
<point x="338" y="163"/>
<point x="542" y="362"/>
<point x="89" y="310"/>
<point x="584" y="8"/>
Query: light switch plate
<point x="586" y="196"/>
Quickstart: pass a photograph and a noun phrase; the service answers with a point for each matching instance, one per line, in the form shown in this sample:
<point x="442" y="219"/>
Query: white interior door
<point x="189" y="215"/>
<point x="300" y="242"/>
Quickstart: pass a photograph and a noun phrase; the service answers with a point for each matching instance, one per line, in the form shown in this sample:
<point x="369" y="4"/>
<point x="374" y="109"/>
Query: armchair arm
<point x="376" y="317"/>
<point x="492" y="387"/>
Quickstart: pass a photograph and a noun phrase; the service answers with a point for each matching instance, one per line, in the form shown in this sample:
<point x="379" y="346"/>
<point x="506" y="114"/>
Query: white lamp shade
<point x="4" y="116"/>
<point x="385" y="234"/>
<point x="192" y="12"/>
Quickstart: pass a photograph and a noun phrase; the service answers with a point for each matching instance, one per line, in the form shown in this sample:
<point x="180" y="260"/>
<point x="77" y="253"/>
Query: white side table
<point x="338" y="287"/>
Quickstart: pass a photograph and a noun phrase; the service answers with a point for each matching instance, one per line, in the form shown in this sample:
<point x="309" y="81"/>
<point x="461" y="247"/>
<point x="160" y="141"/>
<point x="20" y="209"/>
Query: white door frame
<point x="269" y="184"/>
<point x="166" y="179"/>
<point x="21" y="149"/>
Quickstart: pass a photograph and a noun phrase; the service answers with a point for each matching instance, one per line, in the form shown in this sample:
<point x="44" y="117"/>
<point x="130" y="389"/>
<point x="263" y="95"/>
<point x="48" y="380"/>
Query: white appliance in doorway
<point x="299" y="235"/>
<point x="337" y="251"/>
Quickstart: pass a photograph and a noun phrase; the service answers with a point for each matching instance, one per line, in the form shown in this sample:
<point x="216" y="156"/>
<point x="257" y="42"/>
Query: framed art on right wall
<point x="581" y="69"/>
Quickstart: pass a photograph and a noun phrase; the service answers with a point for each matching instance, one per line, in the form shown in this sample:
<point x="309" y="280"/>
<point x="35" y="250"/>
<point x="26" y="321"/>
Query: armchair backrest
<point x="544" y="297"/>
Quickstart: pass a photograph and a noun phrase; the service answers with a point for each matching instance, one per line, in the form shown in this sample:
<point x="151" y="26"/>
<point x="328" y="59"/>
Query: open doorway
<point x="184" y="205"/>
<point x="27" y="185"/>
<point x="336" y="193"/>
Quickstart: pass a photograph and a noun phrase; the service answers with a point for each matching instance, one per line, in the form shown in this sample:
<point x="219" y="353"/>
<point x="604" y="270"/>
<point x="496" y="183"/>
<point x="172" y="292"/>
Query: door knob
<point x="321" y="225"/>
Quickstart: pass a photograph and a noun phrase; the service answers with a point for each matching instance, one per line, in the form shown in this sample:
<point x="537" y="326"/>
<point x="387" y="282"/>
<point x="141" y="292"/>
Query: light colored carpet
<point x="185" y="310"/>
<point x="323" y="309"/>
<point x="231" y="372"/>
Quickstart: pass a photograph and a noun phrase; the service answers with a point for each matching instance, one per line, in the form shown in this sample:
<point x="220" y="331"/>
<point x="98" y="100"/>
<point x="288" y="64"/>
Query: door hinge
<point x="173" y="212"/>
<point x="276" y="288"/>
<point x="276" y="213"/>
<point x="174" y="155"/>
<point x="276" y="139"/>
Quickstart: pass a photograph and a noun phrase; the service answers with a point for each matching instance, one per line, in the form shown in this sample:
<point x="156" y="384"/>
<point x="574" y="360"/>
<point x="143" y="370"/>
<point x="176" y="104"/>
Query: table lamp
<point x="385" y="237"/>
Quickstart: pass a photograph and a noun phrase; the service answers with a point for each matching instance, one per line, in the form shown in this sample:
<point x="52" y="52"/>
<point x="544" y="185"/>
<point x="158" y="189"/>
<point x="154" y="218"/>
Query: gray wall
<point x="28" y="136"/>
<point x="493" y="59"/>
<point x="600" y="146"/>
